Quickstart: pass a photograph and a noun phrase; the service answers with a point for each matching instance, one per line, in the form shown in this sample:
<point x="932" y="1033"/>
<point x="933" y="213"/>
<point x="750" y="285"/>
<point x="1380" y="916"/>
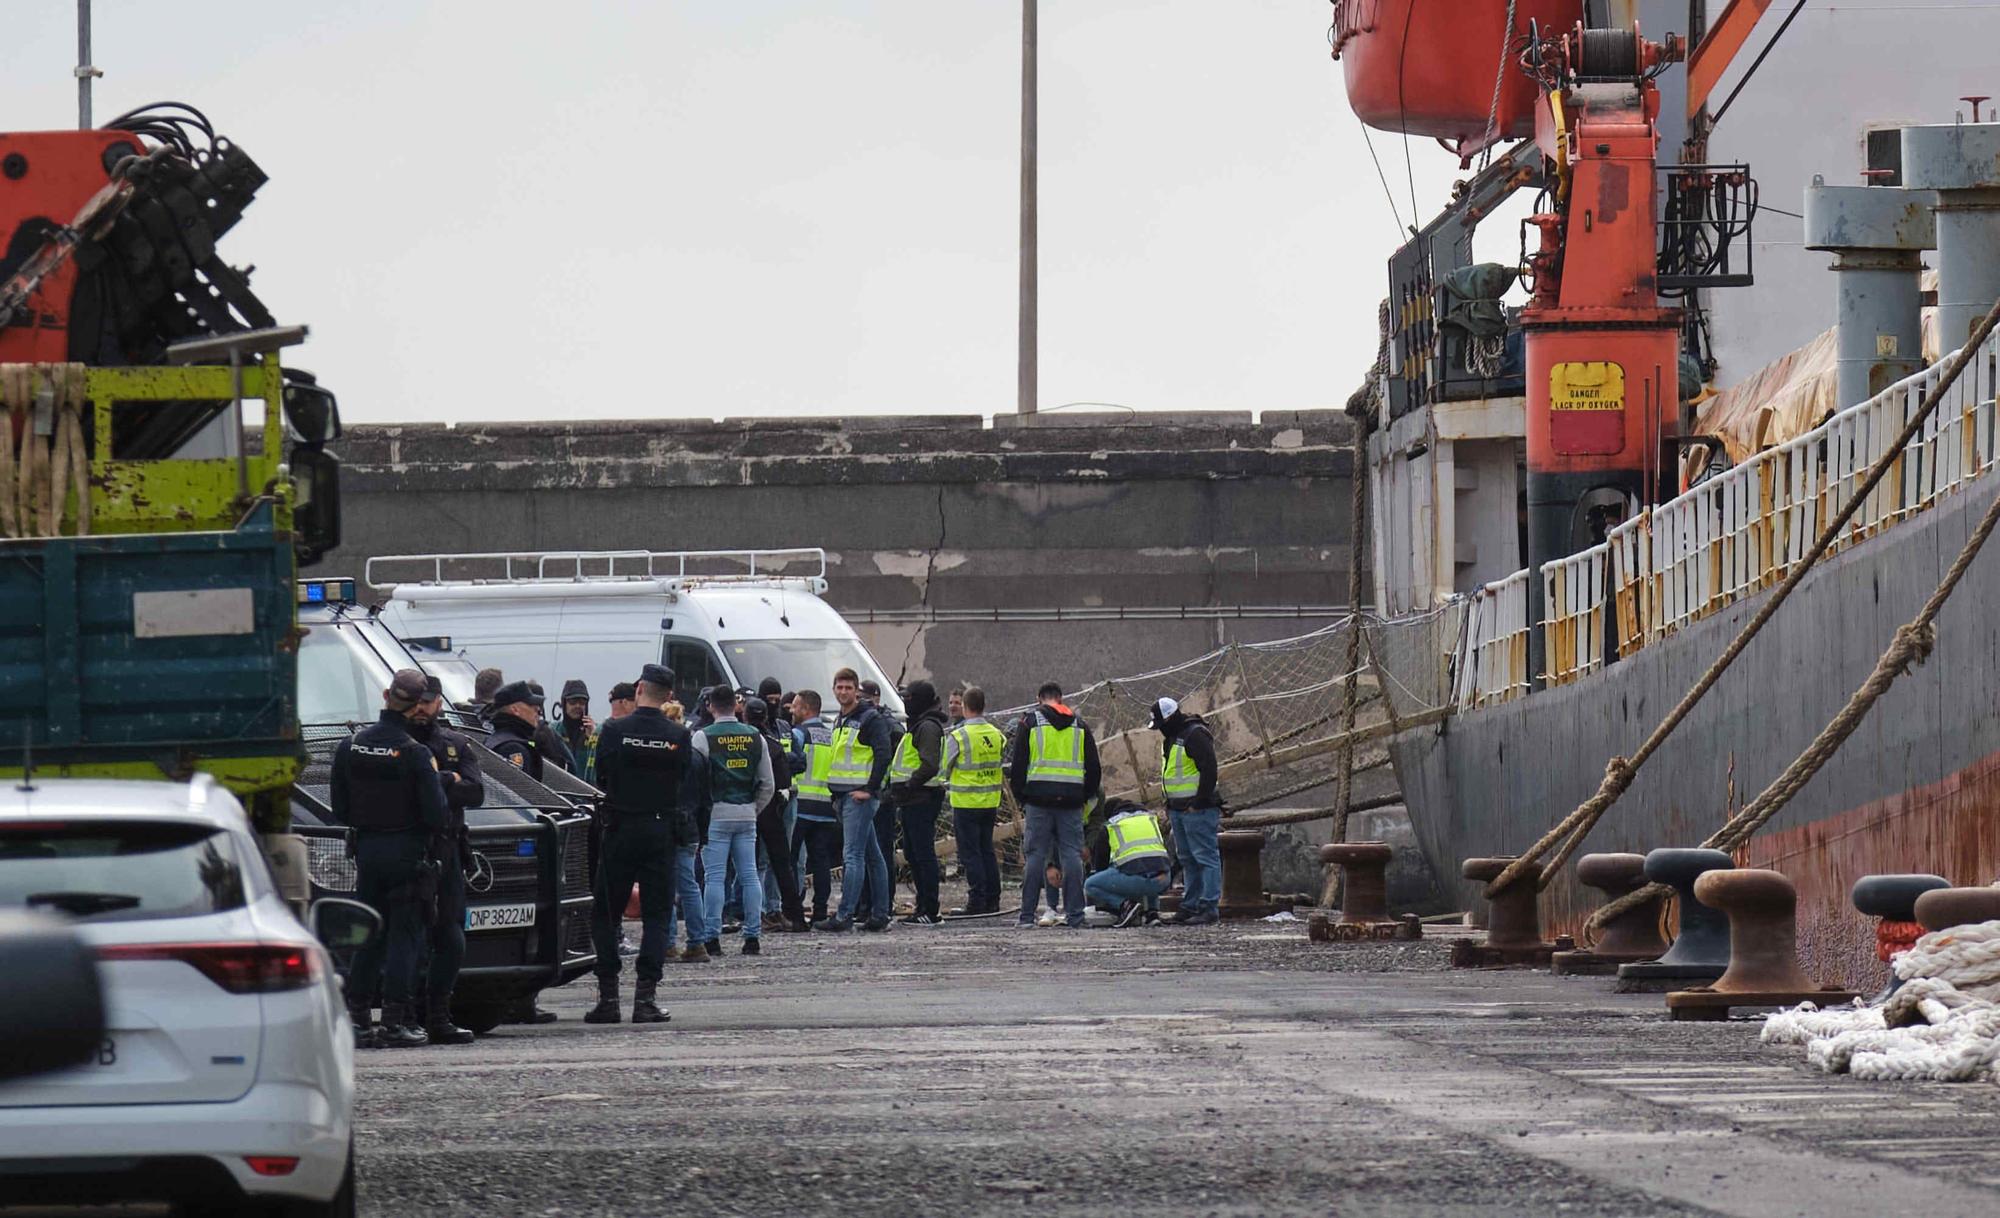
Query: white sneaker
<point x="1049" y="918"/>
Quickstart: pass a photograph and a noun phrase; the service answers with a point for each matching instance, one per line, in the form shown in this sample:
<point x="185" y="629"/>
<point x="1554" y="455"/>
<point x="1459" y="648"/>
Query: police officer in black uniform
<point x="515" y="716"/>
<point x="452" y="850"/>
<point x="386" y="788"/>
<point x="643" y="761"/>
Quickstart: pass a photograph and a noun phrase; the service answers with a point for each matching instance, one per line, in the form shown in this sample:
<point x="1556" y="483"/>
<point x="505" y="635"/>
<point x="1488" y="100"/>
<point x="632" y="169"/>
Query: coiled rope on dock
<point x="1911" y="646"/>
<point x="1941" y="1024"/>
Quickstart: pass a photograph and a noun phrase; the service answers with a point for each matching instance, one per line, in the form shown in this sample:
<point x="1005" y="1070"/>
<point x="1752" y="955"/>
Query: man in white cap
<point x="1194" y="809"/>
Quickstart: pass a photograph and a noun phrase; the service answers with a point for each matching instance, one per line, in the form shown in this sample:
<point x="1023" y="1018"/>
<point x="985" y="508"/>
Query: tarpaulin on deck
<point x="1787" y="397"/>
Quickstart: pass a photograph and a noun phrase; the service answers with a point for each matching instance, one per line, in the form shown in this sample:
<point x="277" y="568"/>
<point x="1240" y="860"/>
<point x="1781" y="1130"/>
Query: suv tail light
<point x="240" y="968"/>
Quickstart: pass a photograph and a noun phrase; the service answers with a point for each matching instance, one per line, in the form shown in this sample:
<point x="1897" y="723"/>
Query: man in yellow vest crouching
<point x="1140" y="866"/>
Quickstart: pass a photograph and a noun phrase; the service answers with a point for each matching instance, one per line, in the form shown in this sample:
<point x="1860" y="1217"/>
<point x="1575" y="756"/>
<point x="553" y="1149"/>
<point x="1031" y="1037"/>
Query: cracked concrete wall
<point x="1060" y="511"/>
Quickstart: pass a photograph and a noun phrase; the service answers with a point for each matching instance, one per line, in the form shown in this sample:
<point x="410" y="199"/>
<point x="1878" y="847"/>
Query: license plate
<point x="499" y="917"/>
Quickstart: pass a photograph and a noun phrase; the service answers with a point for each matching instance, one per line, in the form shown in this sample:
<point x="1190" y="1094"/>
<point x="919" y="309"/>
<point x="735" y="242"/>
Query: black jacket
<point x="781" y="773"/>
<point x="1052" y="795"/>
<point x="1194" y="736"/>
<point x="928" y="730"/>
<point x="385" y="781"/>
<point x="874" y="729"/>
<point x="513" y="739"/>
<point x="554" y="747"/>
<point x="644" y="765"/>
<point x="453" y="753"/>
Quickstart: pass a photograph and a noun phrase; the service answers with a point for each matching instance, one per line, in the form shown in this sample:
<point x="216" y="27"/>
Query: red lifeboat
<point x="1426" y="67"/>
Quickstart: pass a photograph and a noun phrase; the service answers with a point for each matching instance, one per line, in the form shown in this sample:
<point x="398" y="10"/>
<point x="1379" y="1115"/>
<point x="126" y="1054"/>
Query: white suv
<point x="226" y="1075"/>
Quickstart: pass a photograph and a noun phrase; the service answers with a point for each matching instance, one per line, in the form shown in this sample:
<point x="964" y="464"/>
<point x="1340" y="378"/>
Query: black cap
<point x="406" y="689"/>
<point x="918" y="697"/>
<point x="623" y="692"/>
<point x="574" y="688"/>
<point x="657" y="674"/>
<point x="755" y="711"/>
<point x="871" y="689"/>
<point x="433" y="688"/>
<point x="513" y="694"/>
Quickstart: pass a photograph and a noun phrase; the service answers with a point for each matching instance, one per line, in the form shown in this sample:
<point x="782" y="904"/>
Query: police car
<point x="528" y="897"/>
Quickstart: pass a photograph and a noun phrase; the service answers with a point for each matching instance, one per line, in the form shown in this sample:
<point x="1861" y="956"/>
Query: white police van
<point x="716" y="617"/>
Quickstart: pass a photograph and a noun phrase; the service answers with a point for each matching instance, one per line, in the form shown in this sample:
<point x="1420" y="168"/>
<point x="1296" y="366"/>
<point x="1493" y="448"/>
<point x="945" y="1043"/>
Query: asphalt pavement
<point x="976" y="1068"/>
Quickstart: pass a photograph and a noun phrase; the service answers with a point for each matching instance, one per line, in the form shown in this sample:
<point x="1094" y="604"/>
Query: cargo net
<point x="1279" y="710"/>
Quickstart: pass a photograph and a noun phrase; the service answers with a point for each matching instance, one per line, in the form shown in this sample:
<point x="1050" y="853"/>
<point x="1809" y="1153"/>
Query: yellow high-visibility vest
<point x="976" y="774"/>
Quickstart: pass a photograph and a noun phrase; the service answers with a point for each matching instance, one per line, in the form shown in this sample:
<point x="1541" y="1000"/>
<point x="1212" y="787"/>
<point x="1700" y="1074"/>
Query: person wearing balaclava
<point x="1194" y="809"/>
<point x="916" y="785"/>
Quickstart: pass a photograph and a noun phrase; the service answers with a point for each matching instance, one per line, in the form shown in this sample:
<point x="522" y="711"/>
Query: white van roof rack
<point x="803" y="567"/>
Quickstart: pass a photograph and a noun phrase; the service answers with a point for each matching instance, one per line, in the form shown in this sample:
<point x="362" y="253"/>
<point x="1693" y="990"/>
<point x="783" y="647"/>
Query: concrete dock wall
<point x="1064" y="511"/>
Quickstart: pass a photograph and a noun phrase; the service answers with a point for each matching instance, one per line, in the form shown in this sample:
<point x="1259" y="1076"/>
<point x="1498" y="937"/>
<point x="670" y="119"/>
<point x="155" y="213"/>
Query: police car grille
<point x="576" y="936"/>
<point x="516" y="877"/>
<point x="327" y="863"/>
<point x="576" y="859"/>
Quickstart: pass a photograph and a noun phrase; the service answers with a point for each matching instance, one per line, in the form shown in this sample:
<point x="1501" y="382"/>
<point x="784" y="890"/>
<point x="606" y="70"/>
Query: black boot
<point x="644" y="1009"/>
<point x="441" y="1029"/>
<point x="400" y="1029"/>
<point x="366" y="1034"/>
<point x="606" y="1010"/>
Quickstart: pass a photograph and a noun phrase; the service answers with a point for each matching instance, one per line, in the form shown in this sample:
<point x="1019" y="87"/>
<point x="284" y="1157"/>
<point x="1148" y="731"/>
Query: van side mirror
<point x="52" y="1007"/>
<point x="316" y="512"/>
<point x="311" y="410"/>
<point x="342" y="926"/>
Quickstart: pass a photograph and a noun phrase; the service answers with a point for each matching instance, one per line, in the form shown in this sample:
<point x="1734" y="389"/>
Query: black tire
<point x="480" y="1016"/>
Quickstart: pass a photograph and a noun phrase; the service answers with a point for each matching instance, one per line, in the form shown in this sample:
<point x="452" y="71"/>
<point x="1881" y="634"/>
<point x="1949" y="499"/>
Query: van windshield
<point x="806" y="664"/>
<point x="341" y="678"/>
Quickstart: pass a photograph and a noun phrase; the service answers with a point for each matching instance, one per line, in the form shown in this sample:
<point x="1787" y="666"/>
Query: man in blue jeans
<point x="1140" y="866"/>
<point x="735" y="768"/>
<point x="860" y="752"/>
<point x="1054" y="774"/>
<point x="1194" y="810"/>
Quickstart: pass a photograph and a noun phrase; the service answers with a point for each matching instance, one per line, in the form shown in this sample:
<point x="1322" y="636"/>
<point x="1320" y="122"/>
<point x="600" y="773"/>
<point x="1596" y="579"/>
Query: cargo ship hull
<point x="1915" y="789"/>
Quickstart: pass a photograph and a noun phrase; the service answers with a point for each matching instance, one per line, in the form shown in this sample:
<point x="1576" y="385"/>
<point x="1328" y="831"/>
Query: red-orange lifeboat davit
<point x="1427" y="66"/>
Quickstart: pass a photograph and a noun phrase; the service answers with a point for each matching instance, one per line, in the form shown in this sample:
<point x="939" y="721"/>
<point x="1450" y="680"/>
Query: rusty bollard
<point x="1364" y="896"/>
<point x="1632" y="936"/>
<point x="1762" y="907"/>
<point x="1949" y="907"/>
<point x="1513" y="922"/>
<point x="1892" y="900"/>
<point x="1701" y="938"/>
<point x="1243" y="894"/>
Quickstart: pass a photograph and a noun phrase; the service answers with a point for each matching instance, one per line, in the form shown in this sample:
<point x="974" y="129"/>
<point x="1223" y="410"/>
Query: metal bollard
<point x="1701" y="938"/>
<point x="1243" y="894"/>
<point x="1364" y="896"/>
<point x="1513" y="922"/>
<point x="1632" y="936"/>
<point x="1892" y="900"/>
<point x="1945" y="908"/>
<point x="1762" y="907"/>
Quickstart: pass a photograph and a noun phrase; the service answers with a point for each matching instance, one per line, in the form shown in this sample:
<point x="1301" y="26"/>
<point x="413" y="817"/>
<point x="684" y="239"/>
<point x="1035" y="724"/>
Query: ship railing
<point x="1747" y="528"/>
<point x="1493" y="655"/>
<point x="1573" y="614"/>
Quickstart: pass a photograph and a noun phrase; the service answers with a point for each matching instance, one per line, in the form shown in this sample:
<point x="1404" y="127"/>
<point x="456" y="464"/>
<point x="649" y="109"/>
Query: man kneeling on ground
<point x="1140" y="866"/>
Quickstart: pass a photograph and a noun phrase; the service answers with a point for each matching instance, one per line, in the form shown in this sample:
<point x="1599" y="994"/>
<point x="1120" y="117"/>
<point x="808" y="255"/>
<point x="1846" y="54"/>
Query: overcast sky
<point x="501" y="210"/>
